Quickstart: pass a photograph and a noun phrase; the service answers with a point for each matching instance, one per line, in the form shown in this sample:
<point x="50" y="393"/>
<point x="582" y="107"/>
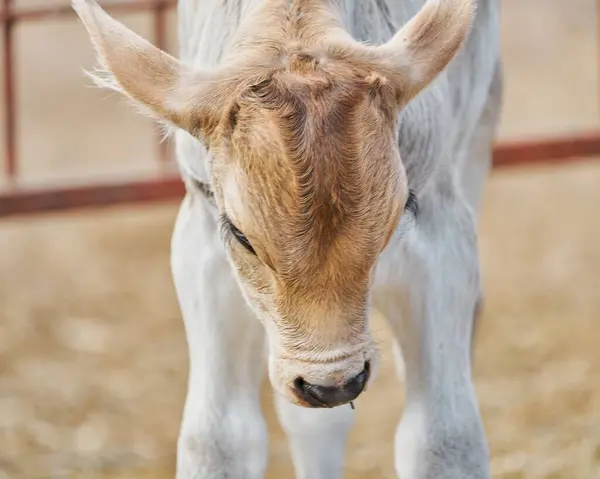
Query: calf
<point x="332" y="161"/>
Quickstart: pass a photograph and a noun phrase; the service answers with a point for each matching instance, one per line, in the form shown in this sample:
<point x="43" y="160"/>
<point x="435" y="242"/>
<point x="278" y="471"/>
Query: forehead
<point x="312" y="173"/>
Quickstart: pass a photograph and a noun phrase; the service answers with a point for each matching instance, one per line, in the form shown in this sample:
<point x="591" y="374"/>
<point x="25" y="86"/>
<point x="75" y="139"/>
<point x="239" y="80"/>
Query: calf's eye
<point x="228" y="228"/>
<point x="411" y="204"/>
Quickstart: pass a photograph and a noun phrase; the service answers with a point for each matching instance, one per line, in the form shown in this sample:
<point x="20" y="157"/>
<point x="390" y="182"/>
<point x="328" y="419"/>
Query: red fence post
<point x="7" y="23"/>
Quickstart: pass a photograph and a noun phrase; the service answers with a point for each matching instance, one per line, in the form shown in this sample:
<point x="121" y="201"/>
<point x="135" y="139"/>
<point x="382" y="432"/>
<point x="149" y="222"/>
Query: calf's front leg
<point x="427" y="285"/>
<point x="223" y="433"/>
<point x="317" y="438"/>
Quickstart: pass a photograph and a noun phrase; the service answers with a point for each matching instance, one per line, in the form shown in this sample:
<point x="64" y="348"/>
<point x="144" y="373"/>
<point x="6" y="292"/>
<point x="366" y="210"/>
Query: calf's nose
<point x="331" y="396"/>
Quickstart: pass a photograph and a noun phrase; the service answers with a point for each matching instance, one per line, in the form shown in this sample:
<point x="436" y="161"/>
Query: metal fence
<point x="16" y="198"/>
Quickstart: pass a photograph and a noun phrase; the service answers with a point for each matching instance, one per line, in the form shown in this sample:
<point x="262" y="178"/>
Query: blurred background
<point x="93" y="359"/>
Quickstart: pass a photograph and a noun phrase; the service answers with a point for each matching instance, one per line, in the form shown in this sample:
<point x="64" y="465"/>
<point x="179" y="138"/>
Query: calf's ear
<point x="426" y="44"/>
<point x="161" y="85"/>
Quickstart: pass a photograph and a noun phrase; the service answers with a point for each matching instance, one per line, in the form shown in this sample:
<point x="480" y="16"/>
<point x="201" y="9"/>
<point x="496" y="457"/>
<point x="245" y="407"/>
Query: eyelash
<point x="411" y="204"/>
<point x="229" y="230"/>
<point x="409" y="218"/>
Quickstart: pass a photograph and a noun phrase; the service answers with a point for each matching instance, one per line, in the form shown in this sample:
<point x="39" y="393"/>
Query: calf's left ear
<point x="426" y="44"/>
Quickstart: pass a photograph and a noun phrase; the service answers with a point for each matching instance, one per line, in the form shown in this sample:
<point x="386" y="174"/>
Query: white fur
<point x="427" y="280"/>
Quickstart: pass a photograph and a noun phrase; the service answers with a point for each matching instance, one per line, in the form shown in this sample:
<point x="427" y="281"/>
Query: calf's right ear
<point x="165" y="88"/>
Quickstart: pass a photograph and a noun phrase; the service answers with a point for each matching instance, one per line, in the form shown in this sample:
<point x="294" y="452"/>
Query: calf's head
<point x="300" y="122"/>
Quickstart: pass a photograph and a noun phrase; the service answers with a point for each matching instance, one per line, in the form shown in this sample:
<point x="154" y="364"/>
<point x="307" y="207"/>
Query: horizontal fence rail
<point x="15" y="198"/>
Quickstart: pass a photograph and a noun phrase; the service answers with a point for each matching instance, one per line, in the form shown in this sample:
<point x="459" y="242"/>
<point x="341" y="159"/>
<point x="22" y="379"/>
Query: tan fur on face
<point x="314" y="146"/>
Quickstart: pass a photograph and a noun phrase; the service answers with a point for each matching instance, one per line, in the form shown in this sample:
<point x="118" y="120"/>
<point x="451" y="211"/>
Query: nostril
<point x="357" y="384"/>
<point x="367" y="370"/>
<point x="315" y="396"/>
<point x="299" y="383"/>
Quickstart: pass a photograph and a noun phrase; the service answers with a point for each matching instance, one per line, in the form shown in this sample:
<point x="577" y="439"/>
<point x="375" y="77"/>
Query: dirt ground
<point x="93" y="360"/>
